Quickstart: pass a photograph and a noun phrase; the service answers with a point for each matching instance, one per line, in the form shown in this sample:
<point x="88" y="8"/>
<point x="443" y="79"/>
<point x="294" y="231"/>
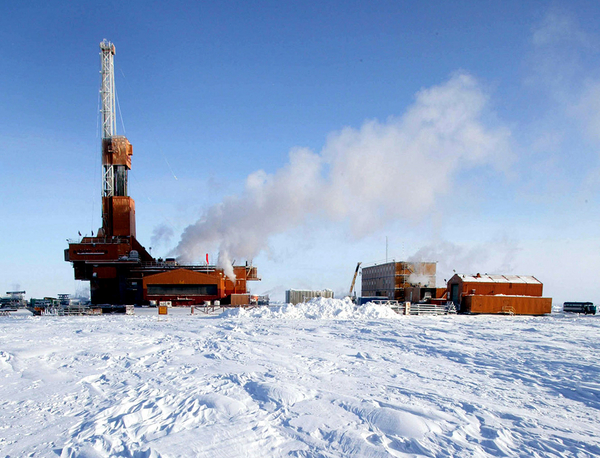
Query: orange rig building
<point x="118" y="267"/>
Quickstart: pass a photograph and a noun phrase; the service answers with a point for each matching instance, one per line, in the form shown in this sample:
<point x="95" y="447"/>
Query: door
<point x="454" y="293"/>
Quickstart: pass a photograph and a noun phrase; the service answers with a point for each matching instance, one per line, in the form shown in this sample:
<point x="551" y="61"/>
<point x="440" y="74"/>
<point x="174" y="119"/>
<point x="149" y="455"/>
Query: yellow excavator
<point x="353" y="296"/>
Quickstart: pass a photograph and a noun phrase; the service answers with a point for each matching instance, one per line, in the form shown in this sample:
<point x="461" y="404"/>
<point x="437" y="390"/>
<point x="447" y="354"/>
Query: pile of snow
<point x="318" y="309"/>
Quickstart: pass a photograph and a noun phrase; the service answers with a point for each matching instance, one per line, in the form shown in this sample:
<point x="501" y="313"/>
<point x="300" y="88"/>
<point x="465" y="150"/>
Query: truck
<point x="580" y="307"/>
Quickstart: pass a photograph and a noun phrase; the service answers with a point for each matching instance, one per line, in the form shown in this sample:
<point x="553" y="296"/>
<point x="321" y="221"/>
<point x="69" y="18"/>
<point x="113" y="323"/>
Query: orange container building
<point x="515" y="294"/>
<point x="518" y="305"/>
<point x="511" y="285"/>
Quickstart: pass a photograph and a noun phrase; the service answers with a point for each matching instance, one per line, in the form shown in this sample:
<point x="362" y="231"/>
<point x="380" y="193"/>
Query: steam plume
<point x="368" y="176"/>
<point x="161" y="235"/>
<point x="494" y="256"/>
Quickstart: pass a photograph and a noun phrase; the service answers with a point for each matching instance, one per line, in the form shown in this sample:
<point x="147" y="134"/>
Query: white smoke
<point x="225" y="262"/>
<point x="497" y="256"/>
<point x="161" y="235"/>
<point x="368" y="176"/>
<point x="420" y="279"/>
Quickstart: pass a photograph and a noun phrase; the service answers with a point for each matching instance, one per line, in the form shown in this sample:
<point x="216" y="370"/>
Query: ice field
<point x="321" y="380"/>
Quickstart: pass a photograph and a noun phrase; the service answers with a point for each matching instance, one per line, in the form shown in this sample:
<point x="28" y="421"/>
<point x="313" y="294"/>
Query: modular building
<point x="514" y="294"/>
<point x="513" y="305"/>
<point x="295" y="296"/>
<point x="391" y="280"/>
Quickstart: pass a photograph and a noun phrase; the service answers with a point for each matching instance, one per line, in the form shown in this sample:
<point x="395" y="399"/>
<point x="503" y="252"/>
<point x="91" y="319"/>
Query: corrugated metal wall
<point x="296" y="296"/>
<point x="517" y="305"/>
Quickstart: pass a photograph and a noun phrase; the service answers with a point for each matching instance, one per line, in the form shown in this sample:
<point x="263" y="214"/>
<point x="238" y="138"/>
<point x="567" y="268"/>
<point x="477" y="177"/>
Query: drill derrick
<point x="118" y="209"/>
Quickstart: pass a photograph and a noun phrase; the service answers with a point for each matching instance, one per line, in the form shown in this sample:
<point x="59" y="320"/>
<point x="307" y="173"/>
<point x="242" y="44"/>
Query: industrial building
<point x="512" y="294"/>
<point x="120" y="270"/>
<point x="296" y="296"/>
<point x="391" y="280"/>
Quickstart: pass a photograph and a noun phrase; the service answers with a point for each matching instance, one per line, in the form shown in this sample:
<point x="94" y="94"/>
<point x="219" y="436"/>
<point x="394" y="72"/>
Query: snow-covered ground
<point x="321" y="380"/>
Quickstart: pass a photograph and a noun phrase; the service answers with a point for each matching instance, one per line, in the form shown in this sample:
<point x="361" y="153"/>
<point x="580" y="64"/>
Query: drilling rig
<point x="118" y="267"/>
<point x="106" y="260"/>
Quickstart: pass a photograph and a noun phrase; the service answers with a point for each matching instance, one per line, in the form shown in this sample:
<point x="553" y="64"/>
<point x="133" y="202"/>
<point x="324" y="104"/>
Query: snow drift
<point x="318" y="309"/>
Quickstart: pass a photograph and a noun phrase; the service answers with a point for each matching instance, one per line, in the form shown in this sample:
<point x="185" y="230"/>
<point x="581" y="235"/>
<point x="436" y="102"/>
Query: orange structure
<point x="118" y="209"/>
<point x="184" y="286"/>
<point x="118" y="267"/>
<point x="517" y="305"/>
<point x="515" y="294"/>
<point x="515" y="285"/>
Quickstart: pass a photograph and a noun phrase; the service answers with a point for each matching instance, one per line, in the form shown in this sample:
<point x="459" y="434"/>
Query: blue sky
<point x="304" y="134"/>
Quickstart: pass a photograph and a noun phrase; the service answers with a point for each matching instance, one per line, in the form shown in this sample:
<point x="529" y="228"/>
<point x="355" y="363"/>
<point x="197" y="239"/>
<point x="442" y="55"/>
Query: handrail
<point x="85" y="240"/>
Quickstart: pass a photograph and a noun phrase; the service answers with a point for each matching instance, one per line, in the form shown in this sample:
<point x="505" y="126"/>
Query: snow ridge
<point x="318" y="309"/>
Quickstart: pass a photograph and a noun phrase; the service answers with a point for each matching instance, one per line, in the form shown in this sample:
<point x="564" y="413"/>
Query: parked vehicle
<point x="580" y="307"/>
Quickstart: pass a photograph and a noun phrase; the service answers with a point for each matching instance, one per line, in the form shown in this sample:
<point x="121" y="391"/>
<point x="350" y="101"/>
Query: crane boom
<point x="354" y="279"/>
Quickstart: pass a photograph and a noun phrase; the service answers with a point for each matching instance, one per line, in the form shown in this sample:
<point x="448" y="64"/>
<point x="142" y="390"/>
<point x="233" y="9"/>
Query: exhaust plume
<point x="494" y="256"/>
<point x="367" y="177"/>
<point x="161" y="235"/>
